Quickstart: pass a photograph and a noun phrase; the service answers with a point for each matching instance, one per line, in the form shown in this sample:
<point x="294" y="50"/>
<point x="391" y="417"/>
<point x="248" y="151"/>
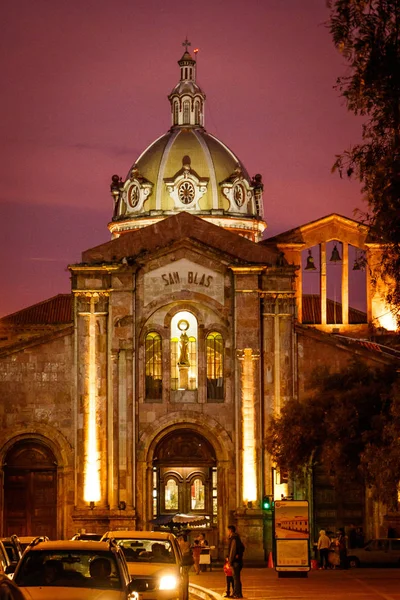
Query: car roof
<point x="71" y="545"/>
<point x="139" y="535"/>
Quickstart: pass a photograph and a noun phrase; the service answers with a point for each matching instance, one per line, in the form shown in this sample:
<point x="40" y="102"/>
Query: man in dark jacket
<point x="235" y="556"/>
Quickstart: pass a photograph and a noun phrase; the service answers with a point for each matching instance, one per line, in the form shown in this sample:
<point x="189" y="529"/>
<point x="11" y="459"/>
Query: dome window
<point x="186" y="192"/>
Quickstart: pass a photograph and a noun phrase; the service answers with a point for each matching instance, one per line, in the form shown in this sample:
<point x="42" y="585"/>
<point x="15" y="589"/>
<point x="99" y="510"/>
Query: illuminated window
<point x="214" y="495"/>
<point x="215" y="366"/>
<point x="186" y="112"/>
<point x="197" y="495"/>
<point x="153" y="366"/>
<point x="171" y="495"/>
<point x="155" y="494"/>
<point x="184" y="351"/>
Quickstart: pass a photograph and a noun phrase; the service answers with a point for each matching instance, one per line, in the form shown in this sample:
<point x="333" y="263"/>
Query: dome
<point x="188" y="169"/>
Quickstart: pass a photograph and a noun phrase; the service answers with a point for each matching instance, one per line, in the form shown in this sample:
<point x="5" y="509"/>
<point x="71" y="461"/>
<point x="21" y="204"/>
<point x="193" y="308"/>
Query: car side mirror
<point x="136" y="585"/>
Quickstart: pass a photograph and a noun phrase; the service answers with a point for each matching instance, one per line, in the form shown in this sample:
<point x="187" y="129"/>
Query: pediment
<point x="183" y="226"/>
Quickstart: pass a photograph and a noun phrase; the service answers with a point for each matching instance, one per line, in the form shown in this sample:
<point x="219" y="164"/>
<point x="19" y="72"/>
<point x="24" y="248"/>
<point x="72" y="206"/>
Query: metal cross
<point x="186" y="43"/>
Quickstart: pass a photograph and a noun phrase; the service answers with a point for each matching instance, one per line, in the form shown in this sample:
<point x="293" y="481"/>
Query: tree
<point x="346" y="420"/>
<point x="367" y="33"/>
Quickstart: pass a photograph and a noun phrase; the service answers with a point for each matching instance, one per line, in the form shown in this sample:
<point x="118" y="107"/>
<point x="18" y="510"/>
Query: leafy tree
<point x="367" y="33"/>
<point x="349" y="423"/>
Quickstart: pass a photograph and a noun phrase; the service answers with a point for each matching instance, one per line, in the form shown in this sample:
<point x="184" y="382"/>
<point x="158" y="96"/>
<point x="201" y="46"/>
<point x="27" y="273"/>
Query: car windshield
<point x="143" y="550"/>
<point x="63" y="568"/>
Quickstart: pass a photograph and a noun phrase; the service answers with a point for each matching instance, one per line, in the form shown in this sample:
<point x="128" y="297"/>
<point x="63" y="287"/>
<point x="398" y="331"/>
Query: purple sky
<point x="85" y="86"/>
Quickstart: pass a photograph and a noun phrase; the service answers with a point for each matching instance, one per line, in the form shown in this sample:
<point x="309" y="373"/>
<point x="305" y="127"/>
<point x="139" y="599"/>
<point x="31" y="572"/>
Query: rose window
<point x="238" y="194"/>
<point x="186" y="192"/>
<point x="133" y="195"/>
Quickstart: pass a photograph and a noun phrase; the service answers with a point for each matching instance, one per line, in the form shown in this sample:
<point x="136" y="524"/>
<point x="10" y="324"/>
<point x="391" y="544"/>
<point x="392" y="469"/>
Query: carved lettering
<point x="193" y="277"/>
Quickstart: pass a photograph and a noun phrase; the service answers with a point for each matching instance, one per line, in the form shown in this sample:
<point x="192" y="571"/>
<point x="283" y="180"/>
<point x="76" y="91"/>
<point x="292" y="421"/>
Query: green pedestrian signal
<point x="267" y="503"/>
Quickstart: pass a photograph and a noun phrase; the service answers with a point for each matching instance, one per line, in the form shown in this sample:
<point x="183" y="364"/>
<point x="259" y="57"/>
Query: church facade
<point x="146" y="392"/>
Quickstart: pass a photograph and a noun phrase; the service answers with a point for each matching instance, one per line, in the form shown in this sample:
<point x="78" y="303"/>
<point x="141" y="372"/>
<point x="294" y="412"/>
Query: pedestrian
<point x="229" y="578"/>
<point x="186" y="549"/>
<point x="323" y="546"/>
<point x="196" y="551"/>
<point x="235" y="557"/>
<point x="204" y="544"/>
<point x="342" y="546"/>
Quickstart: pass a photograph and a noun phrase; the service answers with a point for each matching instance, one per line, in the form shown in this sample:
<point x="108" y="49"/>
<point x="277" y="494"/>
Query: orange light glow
<point x="92" y="466"/>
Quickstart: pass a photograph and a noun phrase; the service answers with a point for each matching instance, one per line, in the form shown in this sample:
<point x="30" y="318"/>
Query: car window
<point x="69" y="569"/>
<point x="147" y="551"/>
<point x="378" y="545"/>
<point x="395" y="545"/>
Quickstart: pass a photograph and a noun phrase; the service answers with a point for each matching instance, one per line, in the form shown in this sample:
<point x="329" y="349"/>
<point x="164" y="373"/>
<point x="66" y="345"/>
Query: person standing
<point x="235" y="559"/>
<point x="342" y="545"/>
<point x="229" y="578"/>
<point x="323" y="546"/>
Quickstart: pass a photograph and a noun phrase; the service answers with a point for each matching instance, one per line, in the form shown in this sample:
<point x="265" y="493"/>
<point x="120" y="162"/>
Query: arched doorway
<point x="185" y="476"/>
<point x="30" y="490"/>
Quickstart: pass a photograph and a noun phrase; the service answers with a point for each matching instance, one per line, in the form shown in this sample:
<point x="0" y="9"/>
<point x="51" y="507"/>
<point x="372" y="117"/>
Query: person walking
<point x="235" y="558"/>
<point x="196" y="551"/>
<point x="323" y="546"/>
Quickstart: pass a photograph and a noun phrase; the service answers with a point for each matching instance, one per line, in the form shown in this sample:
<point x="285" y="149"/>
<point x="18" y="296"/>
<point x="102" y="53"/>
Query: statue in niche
<point x="183" y="326"/>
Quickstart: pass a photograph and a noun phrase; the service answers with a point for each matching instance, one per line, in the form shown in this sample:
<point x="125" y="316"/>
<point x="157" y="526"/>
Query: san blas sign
<point x="183" y="275"/>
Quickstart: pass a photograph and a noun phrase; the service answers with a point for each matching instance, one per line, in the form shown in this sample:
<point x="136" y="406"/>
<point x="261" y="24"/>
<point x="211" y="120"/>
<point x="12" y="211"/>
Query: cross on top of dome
<point x="186" y="43"/>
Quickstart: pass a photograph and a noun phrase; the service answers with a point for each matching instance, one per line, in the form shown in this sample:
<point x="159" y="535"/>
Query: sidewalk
<point x="354" y="584"/>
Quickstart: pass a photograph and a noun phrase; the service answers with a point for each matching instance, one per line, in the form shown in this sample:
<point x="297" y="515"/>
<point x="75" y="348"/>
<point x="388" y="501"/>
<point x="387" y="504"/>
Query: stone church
<point x="146" y="392"/>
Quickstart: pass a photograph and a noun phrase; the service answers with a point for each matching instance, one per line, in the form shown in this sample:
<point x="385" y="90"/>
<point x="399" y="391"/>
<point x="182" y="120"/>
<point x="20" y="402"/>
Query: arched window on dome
<point x="186" y="112"/>
<point x="197" y="112"/>
<point x="176" y="112"/>
<point x="153" y="360"/>
<point x="184" y="351"/>
<point x="215" y="366"/>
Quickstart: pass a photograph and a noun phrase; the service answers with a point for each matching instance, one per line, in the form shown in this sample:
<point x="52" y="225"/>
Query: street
<point x="354" y="584"/>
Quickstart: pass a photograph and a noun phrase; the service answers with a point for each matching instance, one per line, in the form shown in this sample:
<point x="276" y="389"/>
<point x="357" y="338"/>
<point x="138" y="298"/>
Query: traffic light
<point x="267" y="503"/>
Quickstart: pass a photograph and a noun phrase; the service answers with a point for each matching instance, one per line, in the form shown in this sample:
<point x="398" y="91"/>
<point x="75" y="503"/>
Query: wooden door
<point x="30" y="491"/>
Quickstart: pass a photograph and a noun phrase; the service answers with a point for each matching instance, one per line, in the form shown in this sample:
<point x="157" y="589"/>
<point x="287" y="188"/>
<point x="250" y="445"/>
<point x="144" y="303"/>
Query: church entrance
<point x="185" y="480"/>
<point x="30" y="491"/>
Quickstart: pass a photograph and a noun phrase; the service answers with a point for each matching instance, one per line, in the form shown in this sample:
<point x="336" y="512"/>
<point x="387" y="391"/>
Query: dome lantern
<point x="187" y="99"/>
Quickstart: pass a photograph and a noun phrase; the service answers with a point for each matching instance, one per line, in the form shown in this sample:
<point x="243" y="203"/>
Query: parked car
<point x="86" y="537"/>
<point x="13" y="548"/>
<point x="379" y="552"/>
<point x="155" y="562"/>
<point x="71" y="570"/>
<point x="4" y="559"/>
<point x="25" y="540"/>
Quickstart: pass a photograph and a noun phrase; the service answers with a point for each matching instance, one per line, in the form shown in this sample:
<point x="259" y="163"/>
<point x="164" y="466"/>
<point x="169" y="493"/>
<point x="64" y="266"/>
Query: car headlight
<point x="168" y="582"/>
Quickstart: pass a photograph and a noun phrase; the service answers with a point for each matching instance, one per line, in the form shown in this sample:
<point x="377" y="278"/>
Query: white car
<point x="378" y="552"/>
<point x="155" y="563"/>
<point x="71" y="570"/>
